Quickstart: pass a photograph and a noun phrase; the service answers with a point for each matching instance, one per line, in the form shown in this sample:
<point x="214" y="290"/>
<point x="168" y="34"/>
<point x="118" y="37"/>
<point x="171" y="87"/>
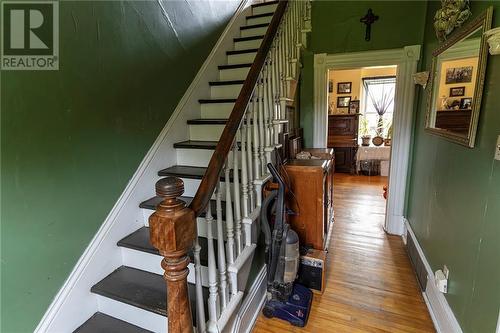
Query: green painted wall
<point x="454" y="200"/>
<point x="71" y="139"/>
<point x="336" y="29"/>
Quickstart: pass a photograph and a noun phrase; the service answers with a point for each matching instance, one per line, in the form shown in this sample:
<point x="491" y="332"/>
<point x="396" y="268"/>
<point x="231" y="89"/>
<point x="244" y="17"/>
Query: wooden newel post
<point x="172" y="232"/>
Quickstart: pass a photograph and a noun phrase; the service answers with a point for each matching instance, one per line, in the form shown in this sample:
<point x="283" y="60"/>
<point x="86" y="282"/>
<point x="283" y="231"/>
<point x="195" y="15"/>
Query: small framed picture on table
<point x="354" y="107"/>
<point x="466" y="103"/>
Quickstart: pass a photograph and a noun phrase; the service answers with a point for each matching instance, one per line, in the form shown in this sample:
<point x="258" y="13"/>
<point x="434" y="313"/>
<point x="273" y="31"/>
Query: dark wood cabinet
<point x="311" y="181"/>
<point x="343" y="137"/>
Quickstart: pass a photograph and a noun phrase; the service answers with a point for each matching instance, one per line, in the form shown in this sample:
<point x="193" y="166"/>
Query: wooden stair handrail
<point x="211" y="178"/>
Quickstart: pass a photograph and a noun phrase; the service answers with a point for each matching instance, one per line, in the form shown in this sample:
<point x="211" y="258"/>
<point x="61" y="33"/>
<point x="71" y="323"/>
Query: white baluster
<point x="229" y="216"/>
<point x="237" y="198"/>
<point x="200" y="309"/>
<point x="221" y="252"/>
<point x="244" y="170"/>
<point x="252" y="127"/>
<point x="262" y="128"/>
<point x="213" y="296"/>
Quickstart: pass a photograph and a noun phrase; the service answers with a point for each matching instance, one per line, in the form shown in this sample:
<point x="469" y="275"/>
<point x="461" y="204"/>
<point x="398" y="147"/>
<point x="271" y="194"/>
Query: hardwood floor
<point x="370" y="284"/>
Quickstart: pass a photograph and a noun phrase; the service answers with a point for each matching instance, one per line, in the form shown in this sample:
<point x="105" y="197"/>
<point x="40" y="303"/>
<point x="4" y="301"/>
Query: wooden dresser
<point x="343" y="137"/>
<point x="312" y="184"/>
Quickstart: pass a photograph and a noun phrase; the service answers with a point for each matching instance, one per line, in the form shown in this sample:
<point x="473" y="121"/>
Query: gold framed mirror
<point x="456" y="82"/>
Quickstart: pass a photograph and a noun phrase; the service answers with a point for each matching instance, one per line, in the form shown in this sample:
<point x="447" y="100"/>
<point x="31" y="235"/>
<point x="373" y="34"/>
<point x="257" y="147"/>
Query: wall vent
<point x="416" y="262"/>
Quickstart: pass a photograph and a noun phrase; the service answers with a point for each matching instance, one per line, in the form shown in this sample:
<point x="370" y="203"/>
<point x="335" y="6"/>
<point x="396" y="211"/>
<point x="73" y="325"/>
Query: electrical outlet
<point x="497" y="149"/>
<point x="446" y="272"/>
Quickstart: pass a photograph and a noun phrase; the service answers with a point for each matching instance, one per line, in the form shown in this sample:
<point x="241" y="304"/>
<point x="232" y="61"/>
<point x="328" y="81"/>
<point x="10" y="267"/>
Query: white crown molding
<point x="406" y="60"/>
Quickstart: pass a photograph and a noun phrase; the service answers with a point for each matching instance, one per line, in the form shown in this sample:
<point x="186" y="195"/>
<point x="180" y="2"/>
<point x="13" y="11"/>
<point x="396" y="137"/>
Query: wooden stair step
<point x="253" y="26"/>
<point x="222" y="67"/>
<point x="102" y="323"/>
<point x="151" y="204"/>
<point x="141" y="289"/>
<point x="241" y="51"/>
<point x="190" y="172"/>
<point x="217" y="100"/>
<point x="244" y="39"/>
<point x="196" y="144"/>
<point x="259" y="15"/>
<point x="225" y="83"/>
<point x="265" y="4"/>
<point x="139" y="240"/>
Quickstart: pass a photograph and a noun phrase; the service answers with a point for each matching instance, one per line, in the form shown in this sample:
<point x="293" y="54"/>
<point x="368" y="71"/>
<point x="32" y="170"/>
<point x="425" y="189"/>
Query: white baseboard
<point x="439" y="309"/>
<point x="74" y="303"/>
<point x="250" y="308"/>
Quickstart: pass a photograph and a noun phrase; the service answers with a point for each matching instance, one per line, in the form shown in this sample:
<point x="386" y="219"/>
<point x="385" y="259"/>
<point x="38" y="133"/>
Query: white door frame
<point x="406" y="60"/>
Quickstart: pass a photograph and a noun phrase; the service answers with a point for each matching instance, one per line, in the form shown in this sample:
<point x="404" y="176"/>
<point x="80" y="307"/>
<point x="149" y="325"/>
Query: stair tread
<point x="235" y="66"/>
<point x="191" y="172"/>
<point x="217" y="100"/>
<point x="243" y="39"/>
<point x="259" y="15"/>
<point x="242" y="51"/>
<point x="102" y="323"/>
<point x="141" y="289"/>
<point x="208" y="121"/>
<point x="139" y="240"/>
<point x="196" y="144"/>
<point x="254" y="26"/>
<point x="265" y="4"/>
<point x="226" y="83"/>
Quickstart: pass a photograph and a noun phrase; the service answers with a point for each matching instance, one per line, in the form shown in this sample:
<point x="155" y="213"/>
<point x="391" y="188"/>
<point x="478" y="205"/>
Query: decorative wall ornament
<point x="493" y="36"/>
<point x="368" y="20"/>
<point x="451" y="15"/>
<point x="421" y="78"/>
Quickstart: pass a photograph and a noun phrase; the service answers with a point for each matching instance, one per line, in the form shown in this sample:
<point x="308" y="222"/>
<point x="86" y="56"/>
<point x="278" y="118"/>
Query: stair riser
<point x="229" y="91"/>
<point x="247" y="44"/>
<point x="259" y="20"/>
<point x="205" y="132"/>
<point x="253" y="32"/>
<point x="216" y="111"/>
<point x="233" y="74"/>
<point x="152" y="263"/>
<point x="264" y="9"/>
<point x="131" y="314"/>
<point x="197" y="157"/>
<point x="244" y="58"/>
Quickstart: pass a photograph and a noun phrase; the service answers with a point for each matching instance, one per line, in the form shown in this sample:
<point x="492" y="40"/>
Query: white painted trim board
<point x="74" y="303"/>
<point x="406" y="60"/>
<point x="439" y="309"/>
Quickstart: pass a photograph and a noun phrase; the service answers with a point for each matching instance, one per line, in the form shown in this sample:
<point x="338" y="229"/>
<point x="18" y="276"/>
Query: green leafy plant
<point x="388" y="130"/>
<point x="364" y="130"/>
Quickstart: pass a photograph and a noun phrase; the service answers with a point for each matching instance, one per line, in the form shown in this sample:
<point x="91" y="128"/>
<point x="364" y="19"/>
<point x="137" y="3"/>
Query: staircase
<point x="219" y="174"/>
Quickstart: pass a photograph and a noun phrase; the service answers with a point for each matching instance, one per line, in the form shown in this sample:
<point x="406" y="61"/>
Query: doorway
<point x="406" y="60"/>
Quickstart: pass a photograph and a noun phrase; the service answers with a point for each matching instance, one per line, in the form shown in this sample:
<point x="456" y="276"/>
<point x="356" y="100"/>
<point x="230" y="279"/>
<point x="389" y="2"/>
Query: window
<point x="378" y="103"/>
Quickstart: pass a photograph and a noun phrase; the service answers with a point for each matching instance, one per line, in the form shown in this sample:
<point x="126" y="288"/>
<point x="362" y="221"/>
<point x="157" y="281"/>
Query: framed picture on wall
<point x="457" y="91"/>
<point x="344" y="87"/>
<point x="354" y="107"/>
<point x="459" y="75"/>
<point x="330" y="86"/>
<point x="343" y="101"/>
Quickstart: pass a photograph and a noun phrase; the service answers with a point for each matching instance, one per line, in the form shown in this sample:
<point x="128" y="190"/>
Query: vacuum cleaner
<point x="285" y="299"/>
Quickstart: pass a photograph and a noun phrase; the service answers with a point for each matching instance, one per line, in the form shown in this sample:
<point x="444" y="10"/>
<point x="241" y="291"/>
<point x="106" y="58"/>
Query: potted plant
<point x="388" y="136"/>
<point x="381" y="103"/>
<point x="364" y="131"/>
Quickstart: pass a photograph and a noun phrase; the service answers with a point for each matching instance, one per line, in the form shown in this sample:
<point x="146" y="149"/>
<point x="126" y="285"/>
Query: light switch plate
<point x="497" y="149"/>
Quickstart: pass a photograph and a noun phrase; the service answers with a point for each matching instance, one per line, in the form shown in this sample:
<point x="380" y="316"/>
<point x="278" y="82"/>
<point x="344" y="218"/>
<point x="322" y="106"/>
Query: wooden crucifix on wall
<point x="368" y="20"/>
